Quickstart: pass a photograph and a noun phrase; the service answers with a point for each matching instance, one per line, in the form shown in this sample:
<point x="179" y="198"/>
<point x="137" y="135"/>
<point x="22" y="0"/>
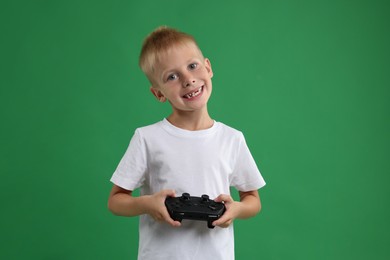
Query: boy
<point x="186" y="152"/>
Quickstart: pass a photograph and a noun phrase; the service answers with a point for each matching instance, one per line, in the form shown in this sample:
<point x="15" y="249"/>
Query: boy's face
<point x="183" y="77"/>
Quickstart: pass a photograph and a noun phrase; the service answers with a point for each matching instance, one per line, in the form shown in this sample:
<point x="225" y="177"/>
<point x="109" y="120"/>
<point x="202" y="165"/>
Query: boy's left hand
<point x="232" y="208"/>
<point x="248" y="206"/>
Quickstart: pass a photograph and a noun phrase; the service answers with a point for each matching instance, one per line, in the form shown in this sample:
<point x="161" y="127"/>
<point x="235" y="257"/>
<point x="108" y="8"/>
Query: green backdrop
<point x="306" y="81"/>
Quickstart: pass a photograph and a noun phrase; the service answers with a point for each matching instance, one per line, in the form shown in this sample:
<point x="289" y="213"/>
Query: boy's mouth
<point x="193" y="94"/>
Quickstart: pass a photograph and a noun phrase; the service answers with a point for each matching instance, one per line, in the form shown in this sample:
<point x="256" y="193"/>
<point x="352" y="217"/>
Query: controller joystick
<point x="205" y="198"/>
<point x="185" y="196"/>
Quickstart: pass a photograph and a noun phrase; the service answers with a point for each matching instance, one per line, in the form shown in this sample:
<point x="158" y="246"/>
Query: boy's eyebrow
<point x="173" y="69"/>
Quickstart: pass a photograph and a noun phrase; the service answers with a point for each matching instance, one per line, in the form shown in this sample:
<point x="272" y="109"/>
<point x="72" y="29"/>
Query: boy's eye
<point x="172" y="77"/>
<point x="193" y="65"/>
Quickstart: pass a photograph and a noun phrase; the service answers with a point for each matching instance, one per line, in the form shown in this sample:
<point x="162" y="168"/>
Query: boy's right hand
<point x="157" y="210"/>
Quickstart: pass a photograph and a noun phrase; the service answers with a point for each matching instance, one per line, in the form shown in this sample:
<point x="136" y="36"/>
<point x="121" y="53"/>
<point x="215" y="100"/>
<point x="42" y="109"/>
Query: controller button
<point x="185" y="196"/>
<point x="205" y="198"/>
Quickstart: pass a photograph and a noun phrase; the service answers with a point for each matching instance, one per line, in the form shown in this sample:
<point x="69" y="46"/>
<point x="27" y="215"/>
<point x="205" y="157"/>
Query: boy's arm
<point x="248" y="206"/>
<point x="122" y="203"/>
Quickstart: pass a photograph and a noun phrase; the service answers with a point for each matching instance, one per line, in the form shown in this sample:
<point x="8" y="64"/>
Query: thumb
<point x="170" y="193"/>
<point x="222" y="197"/>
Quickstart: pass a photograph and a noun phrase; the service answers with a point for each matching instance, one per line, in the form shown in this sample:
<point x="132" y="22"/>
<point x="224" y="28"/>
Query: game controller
<point x="194" y="208"/>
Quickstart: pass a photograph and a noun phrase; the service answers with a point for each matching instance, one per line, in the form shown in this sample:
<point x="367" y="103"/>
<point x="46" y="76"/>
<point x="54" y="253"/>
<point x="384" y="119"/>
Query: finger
<point x="224" y="198"/>
<point x="158" y="217"/>
<point x="172" y="222"/>
<point x="170" y="193"/>
<point x="222" y="222"/>
<point x="219" y="198"/>
<point x="225" y="217"/>
<point x="167" y="218"/>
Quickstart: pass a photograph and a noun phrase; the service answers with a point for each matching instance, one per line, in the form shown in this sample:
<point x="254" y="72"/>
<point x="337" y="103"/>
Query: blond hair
<point x="158" y="43"/>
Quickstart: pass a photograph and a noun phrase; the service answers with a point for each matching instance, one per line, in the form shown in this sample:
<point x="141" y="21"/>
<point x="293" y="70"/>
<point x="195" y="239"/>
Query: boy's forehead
<point x="176" y="54"/>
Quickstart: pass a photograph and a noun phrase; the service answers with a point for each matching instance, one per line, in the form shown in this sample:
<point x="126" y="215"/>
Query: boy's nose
<point x="188" y="83"/>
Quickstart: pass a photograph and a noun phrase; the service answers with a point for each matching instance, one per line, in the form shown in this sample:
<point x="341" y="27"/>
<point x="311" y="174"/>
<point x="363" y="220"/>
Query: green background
<point x="306" y="81"/>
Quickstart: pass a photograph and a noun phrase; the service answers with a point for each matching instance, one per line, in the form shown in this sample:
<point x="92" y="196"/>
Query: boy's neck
<point x="192" y="121"/>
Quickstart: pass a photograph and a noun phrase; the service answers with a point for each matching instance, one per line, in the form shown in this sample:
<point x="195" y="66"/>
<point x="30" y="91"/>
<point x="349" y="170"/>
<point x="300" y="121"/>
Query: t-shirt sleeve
<point x="130" y="173"/>
<point x="246" y="175"/>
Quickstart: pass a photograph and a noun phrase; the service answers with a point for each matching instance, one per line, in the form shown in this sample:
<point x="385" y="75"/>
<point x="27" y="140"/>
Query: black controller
<point x="195" y="208"/>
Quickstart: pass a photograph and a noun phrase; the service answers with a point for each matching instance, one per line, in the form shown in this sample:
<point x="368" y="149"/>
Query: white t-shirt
<point x="162" y="156"/>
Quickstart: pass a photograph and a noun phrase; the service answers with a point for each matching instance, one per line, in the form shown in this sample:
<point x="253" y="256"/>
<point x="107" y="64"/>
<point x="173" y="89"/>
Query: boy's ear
<point x="207" y="64"/>
<point x="158" y="94"/>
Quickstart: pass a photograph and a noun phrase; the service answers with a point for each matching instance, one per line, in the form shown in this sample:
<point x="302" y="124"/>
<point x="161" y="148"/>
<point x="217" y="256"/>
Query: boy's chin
<point x="190" y="110"/>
